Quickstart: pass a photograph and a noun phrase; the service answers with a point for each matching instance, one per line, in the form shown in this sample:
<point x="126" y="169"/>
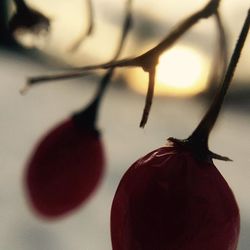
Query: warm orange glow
<point x="181" y="71"/>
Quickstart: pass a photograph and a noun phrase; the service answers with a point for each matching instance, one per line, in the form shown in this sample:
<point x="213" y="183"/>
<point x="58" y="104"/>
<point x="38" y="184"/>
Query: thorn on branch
<point x="149" y="97"/>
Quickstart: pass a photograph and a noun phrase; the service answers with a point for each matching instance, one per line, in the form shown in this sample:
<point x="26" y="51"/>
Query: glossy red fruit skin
<point x="168" y="200"/>
<point x="64" y="169"/>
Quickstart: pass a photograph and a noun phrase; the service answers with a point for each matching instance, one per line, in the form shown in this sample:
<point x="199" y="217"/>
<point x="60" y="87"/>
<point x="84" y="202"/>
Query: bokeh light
<point x="182" y="71"/>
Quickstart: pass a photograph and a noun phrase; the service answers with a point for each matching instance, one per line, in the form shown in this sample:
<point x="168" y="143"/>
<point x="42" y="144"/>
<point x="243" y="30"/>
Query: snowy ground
<point x="23" y="119"/>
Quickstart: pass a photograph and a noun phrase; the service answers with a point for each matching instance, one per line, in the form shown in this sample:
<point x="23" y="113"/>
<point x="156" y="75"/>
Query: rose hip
<point x="64" y="169"/>
<point x="170" y="200"/>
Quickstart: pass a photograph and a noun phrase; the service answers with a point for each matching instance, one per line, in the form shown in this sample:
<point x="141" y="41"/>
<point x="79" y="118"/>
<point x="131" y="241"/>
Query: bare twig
<point x="89" y="30"/>
<point x="128" y="22"/>
<point x="53" y="77"/>
<point x="149" y="60"/>
<point x="223" y="48"/>
<point x="150" y="57"/>
<point x="59" y="77"/>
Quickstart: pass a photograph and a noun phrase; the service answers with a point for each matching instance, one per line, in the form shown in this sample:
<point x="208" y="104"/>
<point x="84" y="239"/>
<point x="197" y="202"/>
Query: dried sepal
<point x="64" y="169"/>
<point x="27" y="18"/>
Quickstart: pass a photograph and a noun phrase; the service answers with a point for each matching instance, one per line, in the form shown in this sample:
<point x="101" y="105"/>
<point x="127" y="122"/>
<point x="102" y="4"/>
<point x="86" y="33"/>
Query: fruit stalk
<point x="201" y="134"/>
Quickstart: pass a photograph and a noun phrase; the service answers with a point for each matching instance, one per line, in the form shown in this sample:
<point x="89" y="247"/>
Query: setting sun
<point x="181" y="71"/>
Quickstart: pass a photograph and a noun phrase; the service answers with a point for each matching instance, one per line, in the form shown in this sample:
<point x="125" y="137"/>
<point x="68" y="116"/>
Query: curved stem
<point x="49" y="78"/>
<point x="88" y="115"/>
<point x="201" y="133"/>
<point x="128" y="22"/>
<point x="219" y="64"/>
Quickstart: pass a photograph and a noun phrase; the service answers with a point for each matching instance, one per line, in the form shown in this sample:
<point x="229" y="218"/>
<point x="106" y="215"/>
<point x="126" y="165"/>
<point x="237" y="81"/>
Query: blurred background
<point x="181" y="98"/>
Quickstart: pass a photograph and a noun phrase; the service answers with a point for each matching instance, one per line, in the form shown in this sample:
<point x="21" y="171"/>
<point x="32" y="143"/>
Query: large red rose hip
<point x="64" y="169"/>
<point x="169" y="200"/>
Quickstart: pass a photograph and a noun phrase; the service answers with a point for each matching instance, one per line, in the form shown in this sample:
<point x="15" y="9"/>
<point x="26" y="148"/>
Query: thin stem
<point x="223" y="48"/>
<point x="102" y="88"/>
<point x="90" y="113"/>
<point x="125" y="29"/>
<point x="91" y="17"/>
<point x="128" y="22"/>
<point x="201" y="133"/>
<point x="49" y="78"/>
<point x="89" y="30"/>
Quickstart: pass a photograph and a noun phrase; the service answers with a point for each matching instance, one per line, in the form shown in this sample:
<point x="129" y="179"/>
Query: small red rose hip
<point x="169" y="200"/>
<point x="64" y="169"/>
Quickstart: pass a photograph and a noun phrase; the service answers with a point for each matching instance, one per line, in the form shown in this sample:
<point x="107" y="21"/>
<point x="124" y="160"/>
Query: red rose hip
<point x="64" y="169"/>
<point x="169" y="200"/>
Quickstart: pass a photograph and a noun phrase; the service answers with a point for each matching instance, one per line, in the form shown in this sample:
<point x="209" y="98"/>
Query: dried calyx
<point x="198" y="140"/>
<point x="26" y="18"/>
